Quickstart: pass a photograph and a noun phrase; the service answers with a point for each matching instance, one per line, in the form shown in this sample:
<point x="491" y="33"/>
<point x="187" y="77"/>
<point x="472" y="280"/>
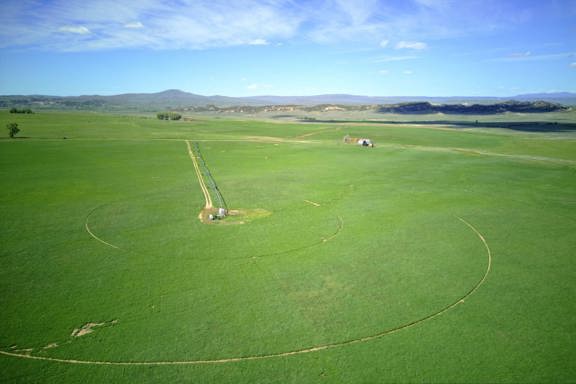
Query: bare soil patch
<point x="234" y="216"/>
<point x="90" y="327"/>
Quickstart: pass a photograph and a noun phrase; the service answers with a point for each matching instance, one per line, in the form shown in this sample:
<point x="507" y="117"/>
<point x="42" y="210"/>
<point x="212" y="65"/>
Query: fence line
<point x="208" y="178"/>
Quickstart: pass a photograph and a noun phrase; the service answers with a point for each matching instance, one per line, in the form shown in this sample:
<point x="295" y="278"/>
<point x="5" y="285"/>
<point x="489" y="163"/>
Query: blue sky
<point x="288" y="47"/>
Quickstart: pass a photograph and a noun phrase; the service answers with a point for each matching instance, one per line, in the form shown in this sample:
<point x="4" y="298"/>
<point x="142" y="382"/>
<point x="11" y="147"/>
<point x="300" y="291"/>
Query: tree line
<point x="168" y="116"/>
<point x="24" y="110"/>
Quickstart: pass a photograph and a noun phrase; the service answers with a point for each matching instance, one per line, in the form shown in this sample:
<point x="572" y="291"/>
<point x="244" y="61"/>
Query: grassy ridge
<point x="181" y="290"/>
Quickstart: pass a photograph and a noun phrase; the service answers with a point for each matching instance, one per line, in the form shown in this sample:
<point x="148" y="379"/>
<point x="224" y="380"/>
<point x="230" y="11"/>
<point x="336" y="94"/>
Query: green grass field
<point x="443" y="254"/>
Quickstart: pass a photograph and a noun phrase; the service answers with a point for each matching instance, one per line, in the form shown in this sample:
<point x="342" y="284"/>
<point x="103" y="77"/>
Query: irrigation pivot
<point x="210" y="182"/>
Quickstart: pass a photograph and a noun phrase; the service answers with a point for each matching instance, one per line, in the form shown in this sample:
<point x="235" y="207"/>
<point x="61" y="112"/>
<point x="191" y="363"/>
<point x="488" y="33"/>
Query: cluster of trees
<point x="169" y="116"/>
<point x="24" y="110"/>
<point x="12" y="129"/>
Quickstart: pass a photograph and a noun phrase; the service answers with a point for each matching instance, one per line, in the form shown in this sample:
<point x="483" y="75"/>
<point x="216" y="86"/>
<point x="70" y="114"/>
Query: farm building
<point x="365" y="142"/>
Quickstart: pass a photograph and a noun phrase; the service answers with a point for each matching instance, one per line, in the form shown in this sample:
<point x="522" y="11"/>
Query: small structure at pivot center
<point x="218" y="215"/>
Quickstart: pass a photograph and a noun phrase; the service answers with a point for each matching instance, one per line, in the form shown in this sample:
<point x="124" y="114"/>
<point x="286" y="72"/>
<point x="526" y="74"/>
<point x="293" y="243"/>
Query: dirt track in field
<point x="207" y="197"/>
<point x="93" y="234"/>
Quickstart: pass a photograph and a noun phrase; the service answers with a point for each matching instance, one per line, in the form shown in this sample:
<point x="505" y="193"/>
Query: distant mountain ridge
<point x="565" y="98"/>
<point x="175" y="99"/>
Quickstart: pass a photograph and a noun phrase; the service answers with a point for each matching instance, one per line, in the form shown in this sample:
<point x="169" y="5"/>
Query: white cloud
<point x="185" y="24"/>
<point x="407" y="72"/>
<point x="520" y="54"/>
<point x="434" y="3"/>
<point x="388" y="59"/>
<point x="134" y="25"/>
<point x="369" y="20"/>
<point x="77" y="29"/>
<point x="383" y="72"/>
<point x="418" y="45"/>
<point x="357" y="11"/>
<point x="198" y="24"/>
<point x="528" y="56"/>
<point x="258" y="42"/>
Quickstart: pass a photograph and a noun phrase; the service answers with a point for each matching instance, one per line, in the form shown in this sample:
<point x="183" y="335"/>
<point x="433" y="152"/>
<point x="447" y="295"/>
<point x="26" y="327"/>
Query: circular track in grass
<point x="310" y="349"/>
<point x="114" y="220"/>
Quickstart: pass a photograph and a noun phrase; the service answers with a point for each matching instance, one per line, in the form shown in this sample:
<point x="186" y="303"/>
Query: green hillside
<point x="443" y="254"/>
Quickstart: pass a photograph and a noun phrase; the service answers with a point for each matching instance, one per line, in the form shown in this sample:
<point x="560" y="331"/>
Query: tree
<point x="25" y="110"/>
<point x="12" y="129"/>
<point x="168" y="116"/>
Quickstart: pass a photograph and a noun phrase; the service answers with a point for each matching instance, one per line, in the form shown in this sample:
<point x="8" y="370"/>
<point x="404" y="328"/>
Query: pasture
<point x="444" y="254"/>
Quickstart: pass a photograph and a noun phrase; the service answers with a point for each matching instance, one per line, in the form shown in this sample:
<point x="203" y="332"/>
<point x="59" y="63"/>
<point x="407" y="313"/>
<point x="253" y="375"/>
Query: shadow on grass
<point x="524" y="126"/>
<point x="15" y="138"/>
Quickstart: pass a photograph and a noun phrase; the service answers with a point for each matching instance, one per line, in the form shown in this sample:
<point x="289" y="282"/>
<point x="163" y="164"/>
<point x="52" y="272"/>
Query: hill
<point x="177" y="99"/>
<point x="565" y="98"/>
<point x="473" y="109"/>
<point x="129" y="101"/>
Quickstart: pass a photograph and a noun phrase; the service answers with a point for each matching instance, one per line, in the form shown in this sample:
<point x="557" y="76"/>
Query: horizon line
<point x="571" y="93"/>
